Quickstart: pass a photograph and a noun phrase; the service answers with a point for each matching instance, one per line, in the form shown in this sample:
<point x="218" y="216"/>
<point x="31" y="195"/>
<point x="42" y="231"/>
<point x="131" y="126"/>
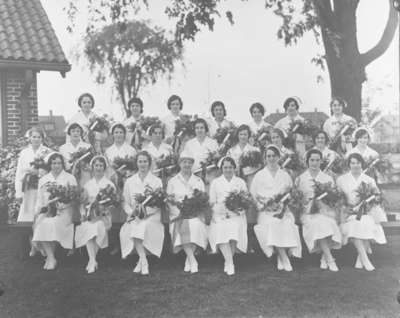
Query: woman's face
<point x="271" y="157"/>
<point x="157" y="136"/>
<point x="219" y="112"/>
<point x="337" y="108"/>
<point x="292" y="109"/>
<point x="320" y="141"/>
<point x="143" y="163"/>
<point x="86" y="104"/>
<point x="276" y="139"/>
<point x="355" y="166"/>
<point x="363" y="140"/>
<point x="228" y="169"/>
<point x="314" y="162"/>
<point x="119" y="135"/>
<point x="36" y="139"/>
<point x="200" y="130"/>
<point x="98" y="168"/>
<point x="243" y="136"/>
<point x="175" y="106"/>
<point x="136" y="109"/>
<point x="56" y="165"/>
<point x="256" y="114"/>
<point x="186" y="165"/>
<point x="75" y="134"/>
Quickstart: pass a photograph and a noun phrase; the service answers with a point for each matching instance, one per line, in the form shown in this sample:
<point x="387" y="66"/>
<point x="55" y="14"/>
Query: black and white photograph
<point x="199" y="158"/>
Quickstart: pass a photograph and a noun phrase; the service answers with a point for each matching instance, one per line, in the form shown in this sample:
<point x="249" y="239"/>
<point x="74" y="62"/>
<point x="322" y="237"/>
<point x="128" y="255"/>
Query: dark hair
<point x="242" y="128"/>
<point x="37" y="129"/>
<point x="172" y="98"/>
<point x="83" y="96"/>
<point x="312" y="152"/>
<point x="215" y="105"/>
<point x="74" y="126"/>
<point x="134" y="100"/>
<point x="230" y="160"/>
<point x="288" y="101"/>
<point x="356" y="156"/>
<point x="201" y="121"/>
<point x="100" y="159"/>
<point x="340" y="100"/>
<point x="274" y="149"/>
<point x="156" y="126"/>
<point x="259" y="106"/>
<point x="279" y="132"/>
<point x="121" y="126"/>
<point x="53" y="157"/>
<point x="360" y="133"/>
<point x="146" y="154"/>
<point x="321" y="132"/>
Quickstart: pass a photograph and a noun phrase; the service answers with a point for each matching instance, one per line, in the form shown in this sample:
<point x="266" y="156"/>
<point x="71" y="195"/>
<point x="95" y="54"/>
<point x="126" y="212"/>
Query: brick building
<point x="28" y="45"/>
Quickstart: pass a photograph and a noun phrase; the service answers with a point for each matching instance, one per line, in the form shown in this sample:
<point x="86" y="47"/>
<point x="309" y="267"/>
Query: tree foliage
<point x="132" y="54"/>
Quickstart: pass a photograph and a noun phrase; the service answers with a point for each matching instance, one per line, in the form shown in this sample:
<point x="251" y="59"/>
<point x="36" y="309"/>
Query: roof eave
<point x="35" y="65"/>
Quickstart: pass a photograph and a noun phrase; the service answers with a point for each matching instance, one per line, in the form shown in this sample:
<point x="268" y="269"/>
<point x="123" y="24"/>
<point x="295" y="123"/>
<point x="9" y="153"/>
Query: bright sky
<point x="238" y="64"/>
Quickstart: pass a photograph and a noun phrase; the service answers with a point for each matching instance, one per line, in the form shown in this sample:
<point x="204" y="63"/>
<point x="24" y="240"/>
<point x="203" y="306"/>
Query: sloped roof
<point x="58" y="121"/>
<point x="316" y="117"/>
<point x="27" y="38"/>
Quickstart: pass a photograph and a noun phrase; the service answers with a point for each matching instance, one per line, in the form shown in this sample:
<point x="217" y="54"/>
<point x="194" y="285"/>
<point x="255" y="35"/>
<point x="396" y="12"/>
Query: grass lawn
<point x="257" y="289"/>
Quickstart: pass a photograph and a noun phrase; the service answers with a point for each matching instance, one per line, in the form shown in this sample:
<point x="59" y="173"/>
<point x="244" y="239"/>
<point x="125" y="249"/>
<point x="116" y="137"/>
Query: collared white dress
<point x="201" y="150"/>
<point x="333" y="124"/>
<point x="320" y="225"/>
<point x="26" y="156"/>
<point x="188" y="230"/>
<point x="271" y="231"/>
<point x="164" y="150"/>
<point x="226" y="226"/>
<point x="150" y="230"/>
<point x="213" y="125"/>
<point x="60" y="227"/>
<point x="368" y="153"/>
<point x="68" y="149"/>
<point x="236" y="152"/>
<point x="368" y="227"/>
<point x="169" y="124"/>
<point x="255" y="127"/>
<point x="96" y="228"/>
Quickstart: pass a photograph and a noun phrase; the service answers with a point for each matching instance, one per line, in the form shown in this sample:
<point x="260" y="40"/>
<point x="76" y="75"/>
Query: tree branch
<point x="385" y="40"/>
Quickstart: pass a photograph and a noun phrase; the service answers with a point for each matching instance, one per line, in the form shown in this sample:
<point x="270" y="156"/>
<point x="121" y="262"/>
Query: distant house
<point x="317" y="117"/>
<point x="28" y="45"/>
<point x="386" y="129"/>
<point x="54" y="127"/>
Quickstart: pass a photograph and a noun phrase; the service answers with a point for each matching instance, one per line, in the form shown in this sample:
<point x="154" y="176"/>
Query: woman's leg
<point x="359" y="244"/>
<point x="51" y="262"/>
<point x="284" y="259"/>
<point x="189" y="250"/>
<point x="226" y="251"/>
<point x="326" y="253"/>
<point x="92" y="249"/>
<point x="142" y="256"/>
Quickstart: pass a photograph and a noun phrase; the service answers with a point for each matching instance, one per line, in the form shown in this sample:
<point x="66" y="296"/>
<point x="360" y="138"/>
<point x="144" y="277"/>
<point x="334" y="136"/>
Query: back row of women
<point x="324" y="226"/>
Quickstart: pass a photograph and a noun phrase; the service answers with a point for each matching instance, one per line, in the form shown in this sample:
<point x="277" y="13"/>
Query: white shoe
<point x="225" y="267"/>
<point x="46" y="263"/>
<point x="138" y="267"/>
<point x="230" y="269"/>
<point x="332" y="266"/>
<point x="324" y="264"/>
<point x="145" y="269"/>
<point x="187" y="265"/>
<point x="287" y="266"/>
<point x="358" y="264"/>
<point x="368" y="266"/>
<point x="194" y="268"/>
<point x="279" y="263"/>
<point x="92" y="268"/>
<point x="52" y="264"/>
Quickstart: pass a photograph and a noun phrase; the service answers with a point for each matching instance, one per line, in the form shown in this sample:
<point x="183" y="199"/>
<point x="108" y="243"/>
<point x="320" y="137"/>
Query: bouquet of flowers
<point x="328" y="194"/>
<point x="226" y="137"/>
<point x="296" y="203"/>
<point x="238" y="201"/>
<point x="368" y="198"/>
<point x="147" y="121"/>
<point x="346" y="128"/>
<point x="250" y="162"/>
<point x="100" y="123"/>
<point x="124" y="163"/>
<point x="263" y="135"/>
<point x="107" y="197"/>
<point x="305" y="128"/>
<point x="337" y="165"/>
<point x="193" y="206"/>
<point x="291" y="161"/>
<point x="31" y="180"/>
<point x="59" y="194"/>
<point x="80" y="161"/>
<point x="155" y="198"/>
<point x="184" y="126"/>
<point x="166" y="166"/>
<point x="211" y="162"/>
<point x="382" y="166"/>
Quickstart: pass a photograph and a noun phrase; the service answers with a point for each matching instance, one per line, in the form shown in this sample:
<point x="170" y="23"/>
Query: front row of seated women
<point x="227" y="231"/>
